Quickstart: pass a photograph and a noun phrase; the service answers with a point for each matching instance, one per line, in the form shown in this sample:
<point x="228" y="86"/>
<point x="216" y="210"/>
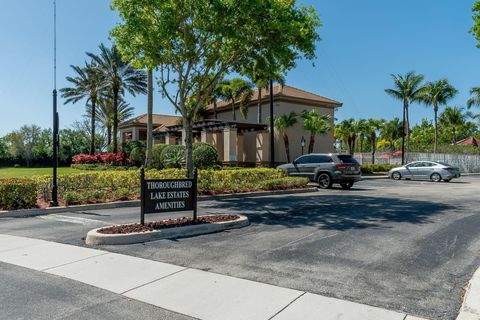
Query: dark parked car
<point x="326" y="169"/>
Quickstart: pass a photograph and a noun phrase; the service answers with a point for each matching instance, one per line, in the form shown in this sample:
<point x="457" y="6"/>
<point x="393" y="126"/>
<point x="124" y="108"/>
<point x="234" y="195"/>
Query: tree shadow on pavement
<point x="330" y="212"/>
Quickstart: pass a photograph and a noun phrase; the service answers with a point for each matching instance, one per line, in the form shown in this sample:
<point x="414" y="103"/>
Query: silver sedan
<point x="435" y="171"/>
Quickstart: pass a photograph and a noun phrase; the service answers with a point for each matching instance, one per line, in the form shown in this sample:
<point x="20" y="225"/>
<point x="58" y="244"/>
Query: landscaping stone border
<point x="136" y="203"/>
<point x="470" y="309"/>
<point x="96" y="238"/>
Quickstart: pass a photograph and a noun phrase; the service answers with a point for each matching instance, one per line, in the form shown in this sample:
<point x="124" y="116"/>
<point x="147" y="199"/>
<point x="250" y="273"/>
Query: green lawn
<point x="29" y="172"/>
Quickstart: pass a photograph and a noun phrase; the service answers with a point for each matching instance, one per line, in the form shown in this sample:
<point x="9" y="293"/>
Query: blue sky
<point x="363" y="42"/>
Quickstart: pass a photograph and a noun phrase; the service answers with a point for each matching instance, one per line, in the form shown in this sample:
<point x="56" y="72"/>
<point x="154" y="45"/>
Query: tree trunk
<point x="215" y="109"/>
<point x="311" y="143"/>
<point x="109" y="136"/>
<point x="148" y="156"/>
<point x="233" y="110"/>
<point x="287" y="146"/>
<point x="454" y="136"/>
<point x="259" y="113"/>
<point x="407" y="128"/>
<point x="187" y="125"/>
<point x="115" y="121"/>
<point x="92" y="139"/>
<point x="374" y="146"/>
<point x="435" y="143"/>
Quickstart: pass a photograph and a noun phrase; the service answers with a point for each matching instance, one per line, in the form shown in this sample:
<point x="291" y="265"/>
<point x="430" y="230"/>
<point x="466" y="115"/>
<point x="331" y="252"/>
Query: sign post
<point x="167" y="195"/>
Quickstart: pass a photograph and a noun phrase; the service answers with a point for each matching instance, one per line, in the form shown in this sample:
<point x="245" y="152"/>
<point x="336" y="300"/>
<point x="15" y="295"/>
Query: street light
<point x="54" y="202"/>
<point x="302" y="142"/>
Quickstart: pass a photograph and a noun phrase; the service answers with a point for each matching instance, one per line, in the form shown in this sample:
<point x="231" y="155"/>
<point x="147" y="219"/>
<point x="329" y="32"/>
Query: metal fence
<point x="468" y="163"/>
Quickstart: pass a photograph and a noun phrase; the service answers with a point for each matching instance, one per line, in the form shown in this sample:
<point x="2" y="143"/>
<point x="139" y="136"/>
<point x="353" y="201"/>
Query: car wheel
<point x="324" y="181"/>
<point x="396" y="176"/>
<point x="435" y="177"/>
<point x="346" y="185"/>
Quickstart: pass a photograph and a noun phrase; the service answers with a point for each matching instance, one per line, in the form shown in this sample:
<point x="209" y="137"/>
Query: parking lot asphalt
<point x="408" y="246"/>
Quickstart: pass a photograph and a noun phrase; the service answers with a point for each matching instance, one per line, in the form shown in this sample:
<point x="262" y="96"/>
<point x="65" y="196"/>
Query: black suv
<point x="326" y="169"/>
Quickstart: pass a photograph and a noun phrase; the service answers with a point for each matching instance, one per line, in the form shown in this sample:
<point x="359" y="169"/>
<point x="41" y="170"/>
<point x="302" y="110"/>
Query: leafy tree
<point x="237" y="90"/>
<point x="438" y="93"/>
<point x="198" y="42"/>
<point x="453" y="118"/>
<point x="423" y="136"/>
<point x="72" y="142"/>
<point x="23" y="141"/>
<point x="88" y="83"/>
<point x="119" y="77"/>
<point x="408" y="89"/>
<point x="476" y="19"/>
<point x="282" y="123"/>
<point x="316" y="124"/>
<point x="347" y="131"/>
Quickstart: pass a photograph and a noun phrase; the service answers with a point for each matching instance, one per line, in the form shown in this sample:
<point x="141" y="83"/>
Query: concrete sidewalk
<point x="195" y="293"/>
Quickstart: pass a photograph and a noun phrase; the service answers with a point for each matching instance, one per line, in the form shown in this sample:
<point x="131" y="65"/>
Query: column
<point x="170" y="139"/>
<point x="263" y="146"/>
<point x="207" y="137"/>
<point x="230" y="145"/>
<point x="134" y="134"/>
<point x="240" y="147"/>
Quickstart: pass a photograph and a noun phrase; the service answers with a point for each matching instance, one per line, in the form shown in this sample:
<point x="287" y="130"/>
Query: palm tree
<point x="438" y="93"/>
<point x="453" y="119"/>
<point x="282" y="123"/>
<point x="105" y="116"/>
<point x="235" y="90"/>
<point x="392" y="131"/>
<point x="119" y="76"/>
<point x="475" y="99"/>
<point x="347" y="131"/>
<point x="88" y="83"/>
<point x="316" y="124"/>
<point x="371" y="130"/>
<point x="407" y="88"/>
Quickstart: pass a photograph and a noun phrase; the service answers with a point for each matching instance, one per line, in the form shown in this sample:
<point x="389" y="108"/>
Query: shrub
<point x="156" y="160"/>
<point x="173" y="156"/>
<point x="372" y="168"/>
<point x="204" y="155"/>
<point x="101" y="167"/>
<point x="284" y="183"/>
<point x="137" y="155"/>
<point x="71" y="197"/>
<point x="129" y="146"/>
<point x="119" y="158"/>
<point x="18" y="194"/>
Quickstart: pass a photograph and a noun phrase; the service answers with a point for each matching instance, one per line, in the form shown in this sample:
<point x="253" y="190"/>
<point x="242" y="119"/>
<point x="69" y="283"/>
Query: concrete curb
<point x="374" y="177"/>
<point x="24" y="213"/>
<point x="470" y="309"/>
<point x="96" y="238"/>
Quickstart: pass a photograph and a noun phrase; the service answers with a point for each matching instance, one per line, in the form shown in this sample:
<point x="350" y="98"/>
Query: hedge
<point x="17" y="194"/>
<point x="373" y="168"/>
<point x="107" y="186"/>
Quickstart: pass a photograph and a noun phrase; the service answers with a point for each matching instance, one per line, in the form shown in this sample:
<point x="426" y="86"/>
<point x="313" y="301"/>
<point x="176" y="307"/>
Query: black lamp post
<point x="302" y="142"/>
<point x="272" y="128"/>
<point x="54" y="202"/>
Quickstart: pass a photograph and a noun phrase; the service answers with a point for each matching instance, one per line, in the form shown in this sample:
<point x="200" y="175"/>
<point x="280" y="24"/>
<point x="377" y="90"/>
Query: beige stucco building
<point x="245" y="140"/>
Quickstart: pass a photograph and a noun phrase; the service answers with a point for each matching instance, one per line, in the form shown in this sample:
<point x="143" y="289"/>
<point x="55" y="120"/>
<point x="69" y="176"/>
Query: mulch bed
<point x="165" y="224"/>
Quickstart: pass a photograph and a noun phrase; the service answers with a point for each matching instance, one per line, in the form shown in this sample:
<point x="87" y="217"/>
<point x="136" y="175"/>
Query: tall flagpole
<point x="54" y="202"/>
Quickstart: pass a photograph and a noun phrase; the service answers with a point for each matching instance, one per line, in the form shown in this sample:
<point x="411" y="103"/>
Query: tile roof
<point x="158" y="120"/>
<point x="286" y="92"/>
<point x="471" y="141"/>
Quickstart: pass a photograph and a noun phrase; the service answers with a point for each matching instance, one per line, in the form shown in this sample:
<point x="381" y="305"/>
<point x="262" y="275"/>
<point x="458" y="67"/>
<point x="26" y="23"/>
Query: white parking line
<point x="75" y="220"/>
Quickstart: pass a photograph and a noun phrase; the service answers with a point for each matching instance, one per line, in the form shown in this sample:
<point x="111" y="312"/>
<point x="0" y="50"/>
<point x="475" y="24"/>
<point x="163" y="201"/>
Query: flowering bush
<point x="119" y="158"/>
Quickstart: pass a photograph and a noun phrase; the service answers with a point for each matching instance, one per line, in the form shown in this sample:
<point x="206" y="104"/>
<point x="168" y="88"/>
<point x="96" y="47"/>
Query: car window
<point x="322" y="159"/>
<point x="428" y="164"/>
<point x="347" y="159"/>
<point x="302" y="160"/>
<point x="414" y="165"/>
